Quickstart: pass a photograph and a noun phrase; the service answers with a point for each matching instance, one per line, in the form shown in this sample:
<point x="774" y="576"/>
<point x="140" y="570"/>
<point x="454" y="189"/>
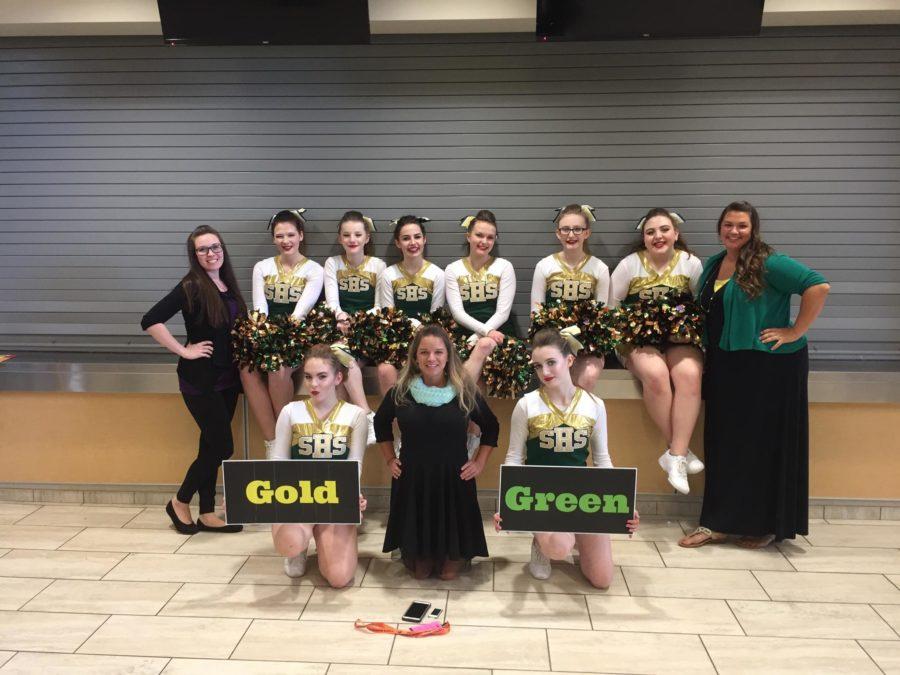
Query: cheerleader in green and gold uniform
<point x="288" y="283"/>
<point x="320" y="427"/>
<point x="413" y="285"/>
<point x="573" y="274"/>
<point x="351" y="281"/>
<point x="561" y="424"/>
<point x="662" y="265"/>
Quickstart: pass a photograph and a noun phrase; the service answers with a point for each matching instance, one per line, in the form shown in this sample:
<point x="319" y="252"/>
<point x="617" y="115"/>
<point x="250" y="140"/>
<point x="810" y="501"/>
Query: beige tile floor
<point x="106" y="589"/>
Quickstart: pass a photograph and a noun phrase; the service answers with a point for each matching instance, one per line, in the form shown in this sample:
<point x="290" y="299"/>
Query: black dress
<point x="434" y="513"/>
<point x="756" y="435"/>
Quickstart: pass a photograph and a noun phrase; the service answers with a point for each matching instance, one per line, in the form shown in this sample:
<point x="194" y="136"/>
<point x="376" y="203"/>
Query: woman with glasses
<point x="210" y="301"/>
<point x="573" y="274"/>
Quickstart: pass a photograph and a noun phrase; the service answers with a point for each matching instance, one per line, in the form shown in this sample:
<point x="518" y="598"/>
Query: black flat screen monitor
<point x="253" y="22"/>
<point x="628" y="19"/>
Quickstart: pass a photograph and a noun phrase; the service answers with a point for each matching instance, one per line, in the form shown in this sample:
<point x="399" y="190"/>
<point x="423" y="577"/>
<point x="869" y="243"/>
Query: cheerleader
<point x="573" y="274"/>
<point x="288" y="283"/>
<point x="561" y="405"/>
<point x="481" y="289"/>
<point x="320" y="427"/>
<point x="413" y="285"/>
<point x="661" y="265"/>
<point x="350" y="283"/>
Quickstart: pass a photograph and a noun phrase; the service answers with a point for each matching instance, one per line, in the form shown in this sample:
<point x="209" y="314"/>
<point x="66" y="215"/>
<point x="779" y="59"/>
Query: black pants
<point x="212" y="412"/>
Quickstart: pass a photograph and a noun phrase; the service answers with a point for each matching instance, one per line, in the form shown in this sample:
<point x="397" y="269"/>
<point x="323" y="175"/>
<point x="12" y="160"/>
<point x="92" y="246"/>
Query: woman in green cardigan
<point x="756" y="430"/>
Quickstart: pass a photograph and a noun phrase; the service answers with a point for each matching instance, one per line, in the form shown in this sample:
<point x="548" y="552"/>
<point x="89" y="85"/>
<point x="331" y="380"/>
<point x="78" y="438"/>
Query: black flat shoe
<point x="225" y="529"/>
<point x="180" y="526"/>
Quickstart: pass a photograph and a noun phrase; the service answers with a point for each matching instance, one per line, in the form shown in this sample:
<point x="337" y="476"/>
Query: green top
<point x="746" y="318"/>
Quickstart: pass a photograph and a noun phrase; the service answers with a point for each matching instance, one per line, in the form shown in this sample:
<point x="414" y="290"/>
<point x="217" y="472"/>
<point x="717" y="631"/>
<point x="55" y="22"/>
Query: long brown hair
<point x="456" y="374"/>
<point x="199" y="288"/>
<point x="680" y="243"/>
<point x="750" y="268"/>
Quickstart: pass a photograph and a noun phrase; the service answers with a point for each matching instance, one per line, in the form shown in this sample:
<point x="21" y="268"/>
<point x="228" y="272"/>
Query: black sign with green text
<point x="291" y="491"/>
<point x="566" y="499"/>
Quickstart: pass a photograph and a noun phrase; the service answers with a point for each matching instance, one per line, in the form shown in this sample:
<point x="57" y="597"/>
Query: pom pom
<point x="507" y="371"/>
<point x="653" y="323"/>
<point x="256" y="342"/>
<point x="598" y="324"/>
<point x="319" y="326"/>
<point x="382" y="336"/>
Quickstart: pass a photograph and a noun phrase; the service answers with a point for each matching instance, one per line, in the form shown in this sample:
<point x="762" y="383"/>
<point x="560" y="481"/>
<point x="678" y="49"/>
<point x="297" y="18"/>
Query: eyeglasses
<point x="206" y="250"/>
<point x="577" y="231"/>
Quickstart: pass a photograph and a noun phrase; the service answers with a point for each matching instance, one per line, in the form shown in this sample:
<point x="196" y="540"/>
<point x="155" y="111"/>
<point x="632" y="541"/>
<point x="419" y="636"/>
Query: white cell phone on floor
<point x="416" y="611"/>
<point x="435" y="614"/>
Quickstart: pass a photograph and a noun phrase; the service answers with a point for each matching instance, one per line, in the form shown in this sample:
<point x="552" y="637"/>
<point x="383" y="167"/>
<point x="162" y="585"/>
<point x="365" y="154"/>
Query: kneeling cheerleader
<point x="336" y="430"/>
<point x="560" y="403"/>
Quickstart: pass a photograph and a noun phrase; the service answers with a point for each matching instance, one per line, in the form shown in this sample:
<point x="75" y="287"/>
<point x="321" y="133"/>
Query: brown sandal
<point x="710" y="537"/>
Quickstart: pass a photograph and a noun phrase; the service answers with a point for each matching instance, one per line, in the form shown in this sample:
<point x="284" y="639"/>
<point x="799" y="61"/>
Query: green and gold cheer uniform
<point x="415" y="294"/>
<point x="635" y="278"/>
<point x="542" y="434"/>
<point x="278" y="290"/>
<point x="300" y="434"/>
<point x="555" y="280"/>
<point x="481" y="300"/>
<point x="351" y="289"/>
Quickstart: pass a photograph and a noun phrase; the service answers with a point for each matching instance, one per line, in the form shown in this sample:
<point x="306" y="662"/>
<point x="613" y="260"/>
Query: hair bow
<point x="342" y="353"/>
<point x="674" y="215"/>
<point x="586" y="209"/>
<point x="568" y="334"/>
<point x="466" y="223"/>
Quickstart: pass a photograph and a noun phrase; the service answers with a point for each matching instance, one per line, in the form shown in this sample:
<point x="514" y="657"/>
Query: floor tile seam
<point x="93" y="633"/>
<point x="364" y="574"/>
<point x="166" y="603"/>
<point x="871" y="658"/>
<point x="239" y="640"/>
<point x="60" y="547"/>
<point x="885" y="575"/>
<point x="712" y="661"/>
<point x="22" y="607"/>
<point x="113" y="568"/>
<point x="140" y="512"/>
<point x="883" y="618"/>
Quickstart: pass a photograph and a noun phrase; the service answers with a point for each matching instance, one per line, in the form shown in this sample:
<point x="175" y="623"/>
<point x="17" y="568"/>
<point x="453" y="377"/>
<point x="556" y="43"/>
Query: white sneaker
<point x="539" y="566"/>
<point x="473" y="442"/>
<point x="694" y="465"/>
<point x="296" y="566"/>
<point x="676" y="468"/>
<point x="370" y="439"/>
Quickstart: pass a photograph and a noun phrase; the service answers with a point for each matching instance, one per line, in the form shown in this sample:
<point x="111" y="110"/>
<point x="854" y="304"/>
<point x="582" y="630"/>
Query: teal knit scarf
<point x="431" y="396"/>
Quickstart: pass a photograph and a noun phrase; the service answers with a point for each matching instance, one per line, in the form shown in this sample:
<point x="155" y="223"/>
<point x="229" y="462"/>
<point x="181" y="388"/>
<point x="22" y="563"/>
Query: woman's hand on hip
<point x="394" y="467"/>
<point x="471" y="469"/>
<point x="198" y="350"/>
<point x="780" y="336"/>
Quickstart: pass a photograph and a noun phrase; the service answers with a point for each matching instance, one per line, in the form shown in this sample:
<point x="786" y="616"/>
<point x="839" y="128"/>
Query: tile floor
<point x="107" y="589"/>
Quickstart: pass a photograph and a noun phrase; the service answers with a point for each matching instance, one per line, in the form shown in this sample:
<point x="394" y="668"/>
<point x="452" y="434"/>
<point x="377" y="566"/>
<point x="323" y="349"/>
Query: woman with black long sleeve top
<point x="209" y="299"/>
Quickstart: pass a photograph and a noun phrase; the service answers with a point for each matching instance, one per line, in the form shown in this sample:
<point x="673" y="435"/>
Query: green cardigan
<point x="746" y="318"/>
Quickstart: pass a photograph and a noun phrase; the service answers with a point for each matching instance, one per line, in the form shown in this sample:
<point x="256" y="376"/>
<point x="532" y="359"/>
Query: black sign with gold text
<point x="291" y="491"/>
<point x="566" y="499"/>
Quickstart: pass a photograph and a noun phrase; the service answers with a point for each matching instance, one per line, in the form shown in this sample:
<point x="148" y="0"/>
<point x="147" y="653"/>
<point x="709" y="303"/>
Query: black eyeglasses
<point x="206" y="250"/>
<point x="577" y="231"/>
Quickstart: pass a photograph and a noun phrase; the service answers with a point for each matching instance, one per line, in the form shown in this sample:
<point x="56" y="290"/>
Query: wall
<point x="112" y="149"/>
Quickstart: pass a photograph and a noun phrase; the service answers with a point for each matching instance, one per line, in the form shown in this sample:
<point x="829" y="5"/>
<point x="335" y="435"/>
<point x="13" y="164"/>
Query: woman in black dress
<point x="209" y="299"/>
<point x="434" y="517"/>
<point x="756" y="428"/>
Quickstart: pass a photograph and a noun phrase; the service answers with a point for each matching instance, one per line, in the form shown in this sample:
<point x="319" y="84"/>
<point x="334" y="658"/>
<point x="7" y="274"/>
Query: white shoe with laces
<point x="676" y="468"/>
<point x="296" y="566"/>
<point x="694" y="464"/>
<point x="539" y="565"/>
<point x="370" y="439"/>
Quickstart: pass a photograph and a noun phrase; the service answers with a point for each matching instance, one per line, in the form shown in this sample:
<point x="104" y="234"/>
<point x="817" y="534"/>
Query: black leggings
<point x="212" y="412"/>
